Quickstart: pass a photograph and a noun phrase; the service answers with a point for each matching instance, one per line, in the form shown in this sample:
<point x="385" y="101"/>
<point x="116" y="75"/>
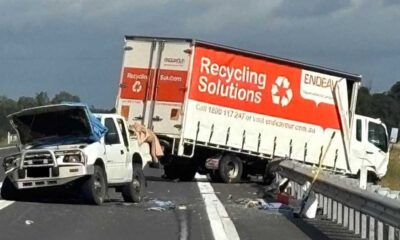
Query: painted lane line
<point x="5" y="203"/>
<point x="221" y="225"/>
<point x="5" y="148"/>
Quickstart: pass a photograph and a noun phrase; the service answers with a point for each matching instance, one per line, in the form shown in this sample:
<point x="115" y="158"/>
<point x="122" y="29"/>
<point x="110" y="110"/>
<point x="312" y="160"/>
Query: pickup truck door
<point x="115" y="151"/>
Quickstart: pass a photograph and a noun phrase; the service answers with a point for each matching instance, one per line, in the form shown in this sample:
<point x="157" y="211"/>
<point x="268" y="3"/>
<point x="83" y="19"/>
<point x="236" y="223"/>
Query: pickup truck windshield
<point x="69" y="122"/>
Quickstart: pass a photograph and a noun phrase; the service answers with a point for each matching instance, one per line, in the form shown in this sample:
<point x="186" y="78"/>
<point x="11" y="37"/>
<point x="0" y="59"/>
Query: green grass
<point x="392" y="177"/>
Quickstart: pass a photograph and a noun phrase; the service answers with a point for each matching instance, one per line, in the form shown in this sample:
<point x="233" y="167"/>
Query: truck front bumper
<point x="62" y="174"/>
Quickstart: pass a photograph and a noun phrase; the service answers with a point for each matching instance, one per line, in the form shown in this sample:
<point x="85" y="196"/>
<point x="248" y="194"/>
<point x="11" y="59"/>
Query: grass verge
<point x="392" y="177"/>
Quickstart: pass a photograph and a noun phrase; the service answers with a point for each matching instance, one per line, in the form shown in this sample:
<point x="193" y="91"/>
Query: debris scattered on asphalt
<point x="29" y="222"/>
<point x="182" y="207"/>
<point x="157" y="209"/>
<point x="161" y="206"/>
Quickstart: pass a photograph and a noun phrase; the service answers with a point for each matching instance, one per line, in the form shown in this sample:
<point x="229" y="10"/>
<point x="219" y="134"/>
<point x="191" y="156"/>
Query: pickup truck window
<point x="112" y="134"/>
<point x="122" y="128"/>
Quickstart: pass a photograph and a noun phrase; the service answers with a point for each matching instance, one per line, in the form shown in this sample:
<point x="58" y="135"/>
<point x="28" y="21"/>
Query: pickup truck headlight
<point x="71" y="156"/>
<point x="11" y="162"/>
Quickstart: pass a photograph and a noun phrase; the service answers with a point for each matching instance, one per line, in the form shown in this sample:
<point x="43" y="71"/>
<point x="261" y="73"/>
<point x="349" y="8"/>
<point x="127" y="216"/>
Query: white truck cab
<point x="369" y="145"/>
<point x="65" y="143"/>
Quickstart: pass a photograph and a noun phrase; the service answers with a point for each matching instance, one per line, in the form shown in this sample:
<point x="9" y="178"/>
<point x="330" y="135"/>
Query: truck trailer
<point x="229" y="112"/>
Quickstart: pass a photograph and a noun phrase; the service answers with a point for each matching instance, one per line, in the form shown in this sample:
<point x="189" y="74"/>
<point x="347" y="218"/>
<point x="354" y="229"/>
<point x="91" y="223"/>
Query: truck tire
<point x="8" y="190"/>
<point x="230" y="168"/>
<point x="95" y="187"/>
<point x="134" y="191"/>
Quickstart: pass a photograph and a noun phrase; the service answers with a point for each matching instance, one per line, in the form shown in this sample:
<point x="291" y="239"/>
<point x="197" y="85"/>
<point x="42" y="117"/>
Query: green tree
<point x="26" y="102"/>
<point x="42" y="99"/>
<point x="65" y="97"/>
<point x="363" y="102"/>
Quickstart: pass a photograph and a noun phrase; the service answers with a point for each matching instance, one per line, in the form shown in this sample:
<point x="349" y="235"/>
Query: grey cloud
<point x="77" y="45"/>
<point x="310" y="9"/>
<point x="391" y="2"/>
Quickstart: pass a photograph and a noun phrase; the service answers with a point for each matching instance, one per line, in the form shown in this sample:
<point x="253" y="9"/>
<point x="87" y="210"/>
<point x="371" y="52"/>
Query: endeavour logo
<point x="281" y="92"/>
<point x="136" y="87"/>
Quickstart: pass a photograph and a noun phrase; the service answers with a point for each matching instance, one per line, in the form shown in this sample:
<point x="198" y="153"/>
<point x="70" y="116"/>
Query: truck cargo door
<point x="170" y="81"/>
<point x="136" y="77"/>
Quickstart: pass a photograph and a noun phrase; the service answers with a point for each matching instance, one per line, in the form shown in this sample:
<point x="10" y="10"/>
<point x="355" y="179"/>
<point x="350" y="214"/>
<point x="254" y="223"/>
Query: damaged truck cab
<point x="65" y="143"/>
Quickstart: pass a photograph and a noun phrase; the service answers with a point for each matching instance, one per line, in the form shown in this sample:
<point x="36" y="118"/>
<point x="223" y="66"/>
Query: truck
<point x="229" y="112"/>
<point x="67" y="145"/>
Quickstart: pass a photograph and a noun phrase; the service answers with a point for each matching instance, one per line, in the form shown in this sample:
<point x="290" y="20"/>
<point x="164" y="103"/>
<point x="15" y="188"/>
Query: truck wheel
<point x="171" y="171"/>
<point x="94" y="189"/>
<point x="133" y="191"/>
<point x="230" y="168"/>
<point x="8" y="190"/>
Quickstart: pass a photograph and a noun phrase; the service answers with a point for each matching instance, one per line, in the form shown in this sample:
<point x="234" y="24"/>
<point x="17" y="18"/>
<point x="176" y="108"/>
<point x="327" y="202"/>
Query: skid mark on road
<point x="221" y="225"/>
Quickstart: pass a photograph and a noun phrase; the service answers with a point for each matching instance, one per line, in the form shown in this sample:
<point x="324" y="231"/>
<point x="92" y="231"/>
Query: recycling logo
<point x="281" y="92"/>
<point x="136" y="87"/>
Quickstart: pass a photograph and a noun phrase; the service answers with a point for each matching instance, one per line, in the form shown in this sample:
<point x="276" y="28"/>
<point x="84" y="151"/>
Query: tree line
<point x="385" y="105"/>
<point x="8" y="106"/>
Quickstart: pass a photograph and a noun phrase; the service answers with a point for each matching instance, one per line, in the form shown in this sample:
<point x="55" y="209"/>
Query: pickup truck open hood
<point x="56" y="123"/>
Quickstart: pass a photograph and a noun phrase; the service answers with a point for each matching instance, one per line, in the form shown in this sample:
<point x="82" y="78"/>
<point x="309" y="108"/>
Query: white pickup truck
<point x="66" y="144"/>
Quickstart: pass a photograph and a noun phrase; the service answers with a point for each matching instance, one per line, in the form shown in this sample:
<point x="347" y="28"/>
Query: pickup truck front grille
<point x="38" y="159"/>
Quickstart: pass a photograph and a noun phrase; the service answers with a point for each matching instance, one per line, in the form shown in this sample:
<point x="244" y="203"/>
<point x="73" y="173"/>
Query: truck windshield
<point x="377" y="136"/>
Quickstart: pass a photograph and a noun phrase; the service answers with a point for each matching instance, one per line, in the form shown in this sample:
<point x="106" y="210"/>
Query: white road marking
<point x="221" y="224"/>
<point x="5" y="203"/>
<point x="4" y="148"/>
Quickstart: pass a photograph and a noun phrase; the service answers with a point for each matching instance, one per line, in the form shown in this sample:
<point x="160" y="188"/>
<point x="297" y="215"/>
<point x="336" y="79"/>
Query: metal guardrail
<point x="365" y="213"/>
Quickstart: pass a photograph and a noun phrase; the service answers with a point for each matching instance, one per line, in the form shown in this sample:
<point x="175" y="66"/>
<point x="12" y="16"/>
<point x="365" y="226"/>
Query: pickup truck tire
<point x="8" y="190"/>
<point x="95" y="187"/>
<point x="230" y="168"/>
<point x="134" y="191"/>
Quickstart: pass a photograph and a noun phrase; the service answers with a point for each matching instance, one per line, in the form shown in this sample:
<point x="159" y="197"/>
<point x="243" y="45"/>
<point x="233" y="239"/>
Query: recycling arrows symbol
<point x="283" y="100"/>
<point x="136" y="87"/>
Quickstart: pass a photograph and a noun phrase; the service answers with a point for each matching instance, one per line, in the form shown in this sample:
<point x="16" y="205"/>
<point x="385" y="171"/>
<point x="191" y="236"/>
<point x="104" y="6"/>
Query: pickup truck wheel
<point x="8" y="190"/>
<point x="133" y="191"/>
<point x="95" y="187"/>
<point x="230" y="168"/>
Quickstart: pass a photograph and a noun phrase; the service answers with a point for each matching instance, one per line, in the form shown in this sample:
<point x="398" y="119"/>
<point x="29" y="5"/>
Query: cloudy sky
<point x="73" y="45"/>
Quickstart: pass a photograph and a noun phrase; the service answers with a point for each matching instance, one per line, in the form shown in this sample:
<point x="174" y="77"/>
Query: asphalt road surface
<point x="202" y="211"/>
